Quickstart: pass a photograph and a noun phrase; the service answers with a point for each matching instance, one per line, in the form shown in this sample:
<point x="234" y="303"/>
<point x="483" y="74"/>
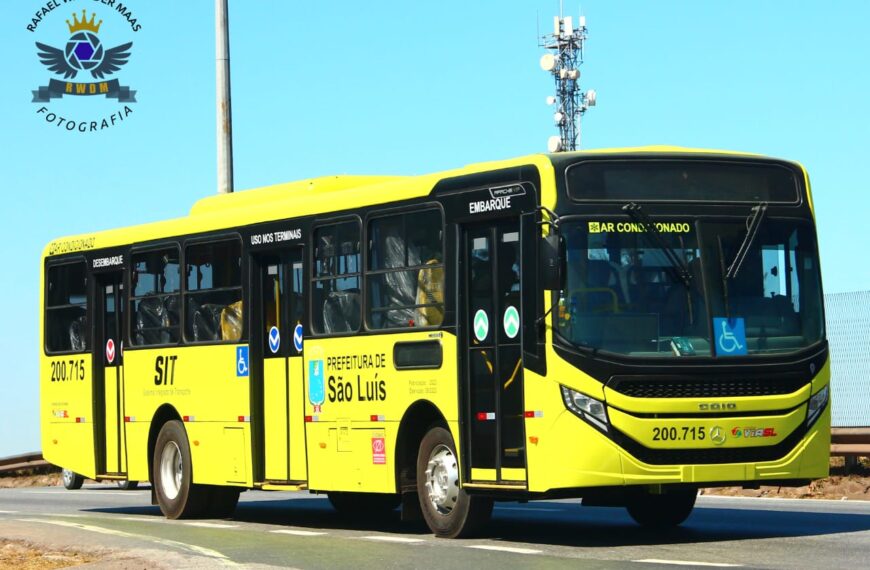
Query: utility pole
<point x="224" y="106"/>
<point x="566" y="44"/>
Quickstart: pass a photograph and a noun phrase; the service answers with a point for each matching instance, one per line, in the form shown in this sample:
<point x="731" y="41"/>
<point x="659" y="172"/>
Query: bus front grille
<point x="698" y="387"/>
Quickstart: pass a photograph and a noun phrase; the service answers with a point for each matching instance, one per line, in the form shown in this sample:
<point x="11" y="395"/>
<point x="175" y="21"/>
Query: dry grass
<point x="32" y="480"/>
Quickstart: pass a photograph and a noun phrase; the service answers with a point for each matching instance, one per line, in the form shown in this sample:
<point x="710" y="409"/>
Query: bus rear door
<point x="277" y="389"/>
<point x="108" y="377"/>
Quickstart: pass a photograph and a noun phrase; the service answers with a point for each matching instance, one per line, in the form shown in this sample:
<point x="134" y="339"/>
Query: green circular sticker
<point x="511" y="321"/>
<point x="481" y="325"/>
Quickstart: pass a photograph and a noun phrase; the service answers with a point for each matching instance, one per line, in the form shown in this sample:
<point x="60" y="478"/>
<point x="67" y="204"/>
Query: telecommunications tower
<point x="563" y="61"/>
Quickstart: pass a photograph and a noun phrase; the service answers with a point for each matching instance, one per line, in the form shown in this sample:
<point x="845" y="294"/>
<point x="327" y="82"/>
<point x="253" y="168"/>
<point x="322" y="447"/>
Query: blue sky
<point x="406" y="88"/>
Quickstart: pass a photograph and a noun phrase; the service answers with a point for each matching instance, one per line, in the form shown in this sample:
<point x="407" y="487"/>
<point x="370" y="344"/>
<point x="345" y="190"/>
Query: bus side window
<point x="156" y="285"/>
<point x="405" y="273"/>
<point x="335" y="283"/>
<point x="66" y="323"/>
<point x="213" y="296"/>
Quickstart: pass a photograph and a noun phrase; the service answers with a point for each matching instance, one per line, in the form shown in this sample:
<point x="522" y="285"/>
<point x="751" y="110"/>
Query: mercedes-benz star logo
<point x="717" y="435"/>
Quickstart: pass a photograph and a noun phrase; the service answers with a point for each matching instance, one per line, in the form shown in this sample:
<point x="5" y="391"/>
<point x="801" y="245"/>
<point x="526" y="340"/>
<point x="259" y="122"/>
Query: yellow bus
<point x="624" y="326"/>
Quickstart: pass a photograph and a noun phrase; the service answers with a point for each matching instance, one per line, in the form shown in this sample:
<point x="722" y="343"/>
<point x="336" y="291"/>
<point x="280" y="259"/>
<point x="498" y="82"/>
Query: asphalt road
<point x="300" y="530"/>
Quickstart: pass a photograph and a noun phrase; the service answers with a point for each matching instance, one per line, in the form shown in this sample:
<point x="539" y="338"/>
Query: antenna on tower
<point x="563" y="60"/>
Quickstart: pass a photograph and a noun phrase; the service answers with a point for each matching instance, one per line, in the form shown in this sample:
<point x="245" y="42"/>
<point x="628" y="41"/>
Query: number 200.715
<point x="65" y="370"/>
<point x="681" y="434"/>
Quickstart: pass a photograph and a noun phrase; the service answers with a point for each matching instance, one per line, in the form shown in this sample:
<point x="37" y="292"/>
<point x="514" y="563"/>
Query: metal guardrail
<point x="845" y="442"/>
<point x="32" y="460"/>
<point x="850" y="442"/>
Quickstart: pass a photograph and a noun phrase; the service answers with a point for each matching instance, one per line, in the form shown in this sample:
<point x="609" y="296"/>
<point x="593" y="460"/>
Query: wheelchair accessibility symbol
<point x="730" y="336"/>
<point x="241" y="361"/>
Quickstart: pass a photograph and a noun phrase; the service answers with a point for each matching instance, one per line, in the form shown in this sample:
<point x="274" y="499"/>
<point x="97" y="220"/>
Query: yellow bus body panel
<point x="348" y="441"/>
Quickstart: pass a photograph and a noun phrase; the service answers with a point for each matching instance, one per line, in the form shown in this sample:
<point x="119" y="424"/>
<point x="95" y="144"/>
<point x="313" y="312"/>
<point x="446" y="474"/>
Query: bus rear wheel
<point x="449" y="511"/>
<point x="668" y="509"/>
<point x="177" y="495"/>
<point x="72" y="480"/>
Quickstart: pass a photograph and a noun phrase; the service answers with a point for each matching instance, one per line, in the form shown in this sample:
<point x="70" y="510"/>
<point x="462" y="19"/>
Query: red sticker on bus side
<point x="110" y="351"/>
<point x="379" y="454"/>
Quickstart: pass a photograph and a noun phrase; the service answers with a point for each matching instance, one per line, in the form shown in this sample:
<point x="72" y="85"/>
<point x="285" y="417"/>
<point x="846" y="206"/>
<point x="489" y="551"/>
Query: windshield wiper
<point x="753" y="222"/>
<point x="678" y="266"/>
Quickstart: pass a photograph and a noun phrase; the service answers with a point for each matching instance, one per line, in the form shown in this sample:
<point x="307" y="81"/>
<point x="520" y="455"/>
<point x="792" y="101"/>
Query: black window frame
<point x="186" y="292"/>
<point x="402" y="212"/>
<point x="313" y="277"/>
<point x="47" y="307"/>
<point x="131" y="298"/>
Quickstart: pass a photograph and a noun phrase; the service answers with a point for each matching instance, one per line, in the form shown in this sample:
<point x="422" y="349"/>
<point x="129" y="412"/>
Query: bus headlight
<point x="817" y="404"/>
<point x="586" y="407"/>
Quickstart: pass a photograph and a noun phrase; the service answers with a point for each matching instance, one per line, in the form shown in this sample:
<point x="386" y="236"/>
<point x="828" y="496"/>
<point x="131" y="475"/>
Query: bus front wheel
<point x="177" y="495"/>
<point x="667" y="509"/>
<point x="449" y="511"/>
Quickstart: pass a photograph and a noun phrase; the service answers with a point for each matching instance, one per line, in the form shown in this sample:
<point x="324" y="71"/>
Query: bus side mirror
<point x="552" y="262"/>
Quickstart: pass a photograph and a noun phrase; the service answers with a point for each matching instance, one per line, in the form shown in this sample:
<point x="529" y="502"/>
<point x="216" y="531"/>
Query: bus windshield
<point x="626" y="293"/>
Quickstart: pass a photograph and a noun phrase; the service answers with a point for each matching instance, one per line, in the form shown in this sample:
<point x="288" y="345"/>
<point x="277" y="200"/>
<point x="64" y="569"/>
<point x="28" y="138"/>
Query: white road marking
<point x="298" y="532"/>
<point x="142" y="519"/>
<point x="208" y="552"/>
<point x="394" y="539"/>
<point x="511" y="549"/>
<point x="211" y="525"/>
<point x="689" y="563"/>
<point x="8" y="512"/>
<point x="526" y="509"/>
<point x="734" y="498"/>
<point x="106" y="493"/>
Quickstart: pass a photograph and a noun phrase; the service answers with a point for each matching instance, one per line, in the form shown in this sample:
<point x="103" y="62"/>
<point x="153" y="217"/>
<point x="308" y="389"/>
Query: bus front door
<point x="491" y="312"/>
<point x="109" y="374"/>
<point x="277" y="391"/>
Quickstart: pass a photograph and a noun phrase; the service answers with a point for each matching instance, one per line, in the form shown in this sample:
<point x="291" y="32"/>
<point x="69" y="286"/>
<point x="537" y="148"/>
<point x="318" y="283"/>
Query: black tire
<point x="72" y="480"/>
<point x="222" y="501"/>
<point x="667" y="510"/>
<point x="364" y="504"/>
<point x="177" y="495"/>
<point x="128" y="485"/>
<point x="449" y="511"/>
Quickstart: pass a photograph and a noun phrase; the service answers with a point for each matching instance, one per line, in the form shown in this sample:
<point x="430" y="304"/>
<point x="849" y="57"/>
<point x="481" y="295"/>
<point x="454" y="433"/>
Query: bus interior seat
<point x="205" y="321"/>
<point x="151" y="321"/>
<point x="341" y="311"/>
<point x="173" y="311"/>
<point x="430" y="289"/>
<point x="78" y="333"/>
<point x="231" y="321"/>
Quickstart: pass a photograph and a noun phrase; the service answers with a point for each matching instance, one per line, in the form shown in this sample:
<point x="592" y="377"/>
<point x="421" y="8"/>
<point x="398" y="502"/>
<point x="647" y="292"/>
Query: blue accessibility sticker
<point x="316" y="392"/>
<point x="274" y="339"/>
<point x="242" y="360"/>
<point x="730" y="335"/>
<point x="297" y="338"/>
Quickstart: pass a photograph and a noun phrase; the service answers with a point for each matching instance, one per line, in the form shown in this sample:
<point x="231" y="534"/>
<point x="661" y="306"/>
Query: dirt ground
<point x="31" y="480"/>
<point x="846" y="482"/>
<point x="26" y="556"/>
